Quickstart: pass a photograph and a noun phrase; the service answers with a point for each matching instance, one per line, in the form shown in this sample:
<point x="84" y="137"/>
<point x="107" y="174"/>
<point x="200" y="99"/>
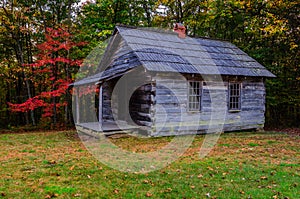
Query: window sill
<point x="193" y="111"/>
<point x="234" y="111"/>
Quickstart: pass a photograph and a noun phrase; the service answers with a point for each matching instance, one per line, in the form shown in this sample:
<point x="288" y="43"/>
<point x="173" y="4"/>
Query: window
<point x="234" y="92"/>
<point x="194" y="96"/>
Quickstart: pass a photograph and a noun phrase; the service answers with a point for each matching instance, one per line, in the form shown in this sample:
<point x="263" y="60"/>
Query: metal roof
<point x="164" y="51"/>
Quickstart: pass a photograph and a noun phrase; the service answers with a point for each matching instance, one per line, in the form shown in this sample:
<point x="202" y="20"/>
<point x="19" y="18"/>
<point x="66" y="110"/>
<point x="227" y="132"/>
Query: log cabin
<point x="167" y="83"/>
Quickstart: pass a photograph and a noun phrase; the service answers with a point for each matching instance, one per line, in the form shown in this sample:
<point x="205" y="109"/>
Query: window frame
<point x="237" y="97"/>
<point x="199" y="95"/>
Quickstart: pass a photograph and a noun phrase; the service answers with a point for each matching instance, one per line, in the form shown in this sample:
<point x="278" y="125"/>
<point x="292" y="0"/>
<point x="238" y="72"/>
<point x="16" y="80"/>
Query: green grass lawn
<point x="242" y="165"/>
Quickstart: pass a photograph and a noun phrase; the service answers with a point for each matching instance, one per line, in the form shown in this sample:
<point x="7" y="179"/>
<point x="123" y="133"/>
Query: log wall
<point x="173" y="118"/>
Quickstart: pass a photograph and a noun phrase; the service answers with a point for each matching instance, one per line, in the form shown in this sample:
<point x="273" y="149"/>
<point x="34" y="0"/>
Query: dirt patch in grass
<point x="265" y="147"/>
<point x="261" y="147"/>
<point x="141" y="145"/>
<point x="289" y="131"/>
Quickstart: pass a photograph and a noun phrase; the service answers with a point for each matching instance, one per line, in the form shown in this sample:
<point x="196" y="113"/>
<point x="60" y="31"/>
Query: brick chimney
<point x="180" y="29"/>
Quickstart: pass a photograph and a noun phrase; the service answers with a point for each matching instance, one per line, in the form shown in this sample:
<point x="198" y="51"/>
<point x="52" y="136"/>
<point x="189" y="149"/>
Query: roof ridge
<point x="209" y="38"/>
<point x="167" y="31"/>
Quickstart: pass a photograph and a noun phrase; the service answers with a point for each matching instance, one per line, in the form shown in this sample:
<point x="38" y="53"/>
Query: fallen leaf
<point x="72" y="167"/>
<point x="116" y="191"/>
<point x="273" y="173"/>
<point x="192" y="186"/>
<point x="263" y="177"/>
<point x="52" y="162"/>
<point x="209" y="168"/>
<point x="220" y="189"/>
<point x="148" y="194"/>
<point x="168" y="190"/>
<point x="41" y="183"/>
<point x="200" y="176"/>
<point x="90" y="191"/>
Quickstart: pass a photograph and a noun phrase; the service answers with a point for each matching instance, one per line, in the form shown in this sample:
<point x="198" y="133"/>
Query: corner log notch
<point x="141" y="105"/>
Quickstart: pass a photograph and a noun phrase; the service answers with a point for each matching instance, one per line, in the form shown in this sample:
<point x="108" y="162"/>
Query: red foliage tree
<point x="53" y="72"/>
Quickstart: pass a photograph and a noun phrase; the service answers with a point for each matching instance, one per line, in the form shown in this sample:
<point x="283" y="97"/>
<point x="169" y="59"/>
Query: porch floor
<point x="107" y="126"/>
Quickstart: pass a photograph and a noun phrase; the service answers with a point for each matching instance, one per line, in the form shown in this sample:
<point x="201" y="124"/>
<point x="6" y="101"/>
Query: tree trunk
<point x="21" y="57"/>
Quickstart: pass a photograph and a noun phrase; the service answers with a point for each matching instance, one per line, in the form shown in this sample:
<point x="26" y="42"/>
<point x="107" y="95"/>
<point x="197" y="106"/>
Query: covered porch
<point x="109" y="110"/>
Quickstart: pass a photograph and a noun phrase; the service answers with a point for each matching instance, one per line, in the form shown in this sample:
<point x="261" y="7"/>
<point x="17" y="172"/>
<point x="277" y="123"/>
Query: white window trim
<point x="200" y="96"/>
<point x="239" y="97"/>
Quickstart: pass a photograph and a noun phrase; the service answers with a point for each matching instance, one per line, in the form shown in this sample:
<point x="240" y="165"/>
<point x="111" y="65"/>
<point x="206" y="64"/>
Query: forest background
<point x="43" y="43"/>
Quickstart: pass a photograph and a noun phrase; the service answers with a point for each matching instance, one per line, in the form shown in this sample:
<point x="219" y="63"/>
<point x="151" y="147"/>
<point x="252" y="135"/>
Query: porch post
<point x="77" y="106"/>
<point x="100" y="105"/>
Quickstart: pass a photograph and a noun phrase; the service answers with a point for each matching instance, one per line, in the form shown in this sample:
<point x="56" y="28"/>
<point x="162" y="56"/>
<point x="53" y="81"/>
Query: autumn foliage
<point x="52" y="71"/>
